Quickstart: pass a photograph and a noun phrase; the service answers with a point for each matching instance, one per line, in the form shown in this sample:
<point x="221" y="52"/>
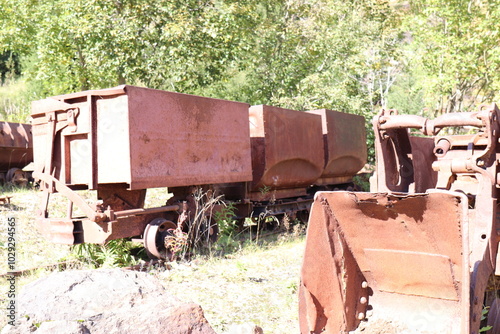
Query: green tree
<point x="456" y="47"/>
<point x="318" y="53"/>
<point x="75" y="45"/>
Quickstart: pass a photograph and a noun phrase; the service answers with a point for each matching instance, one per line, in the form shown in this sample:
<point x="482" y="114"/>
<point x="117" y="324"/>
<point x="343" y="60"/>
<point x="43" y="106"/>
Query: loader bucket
<point x="386" y="263"/>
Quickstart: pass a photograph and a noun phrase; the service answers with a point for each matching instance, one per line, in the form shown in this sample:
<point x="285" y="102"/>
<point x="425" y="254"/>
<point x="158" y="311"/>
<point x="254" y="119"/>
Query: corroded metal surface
<point x="16" y="146"/>
<point x="141" y="137"/>
<point x="344" y="145"/>
<point x="420" y="251"/>
<point x="385" y="252"/>
<point x="124" y="140"/>
<point x="287" y="148"/>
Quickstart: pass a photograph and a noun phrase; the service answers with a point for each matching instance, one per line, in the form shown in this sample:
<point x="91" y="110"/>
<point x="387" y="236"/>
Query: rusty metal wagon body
<point x="125" y="140"/>
<point x="16" y="152"/>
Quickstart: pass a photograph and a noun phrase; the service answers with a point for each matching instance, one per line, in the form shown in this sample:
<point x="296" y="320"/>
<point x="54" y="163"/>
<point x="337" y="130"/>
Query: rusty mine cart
<point x="16" y="152"/>
<point x="124" y="140"/>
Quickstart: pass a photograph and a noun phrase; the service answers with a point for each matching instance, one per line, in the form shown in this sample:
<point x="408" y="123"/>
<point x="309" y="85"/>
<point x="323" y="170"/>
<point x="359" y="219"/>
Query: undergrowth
<point x="15" y="101"/>
<point x="115" y="253"/>
<point x="232" y="236"/>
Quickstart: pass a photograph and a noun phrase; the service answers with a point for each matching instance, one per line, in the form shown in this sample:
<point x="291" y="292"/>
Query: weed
<point x="198" y="227"/>
<point x="202" y="227"/>
<point x="177" y="243"/>
<point x="484" y="316"/>
<point x="225" y="219"/>
<point x="226" y="244"/>
<point x="227" y="225"/>
<point x="116" y="253"/>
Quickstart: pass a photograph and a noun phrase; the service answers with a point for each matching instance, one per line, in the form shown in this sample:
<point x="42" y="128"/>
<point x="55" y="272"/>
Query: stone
<point x="104" y="301"/>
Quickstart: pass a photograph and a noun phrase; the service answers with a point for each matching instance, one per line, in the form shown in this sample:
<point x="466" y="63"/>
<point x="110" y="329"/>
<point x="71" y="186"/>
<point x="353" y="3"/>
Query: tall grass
<point x="15" y="101"/>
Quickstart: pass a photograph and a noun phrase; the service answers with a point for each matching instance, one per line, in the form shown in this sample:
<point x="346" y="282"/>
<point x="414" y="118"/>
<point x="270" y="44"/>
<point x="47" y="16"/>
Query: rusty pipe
<point x="442" y="146"/>
<point x="135" y="212"/>
<point x="452" y="119"/>
<point x="401" y="122"/>
<point x="426" y="126"/>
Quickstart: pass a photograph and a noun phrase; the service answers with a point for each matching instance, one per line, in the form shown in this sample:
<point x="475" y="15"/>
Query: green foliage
<point x="225" y="219"/>
<point x="484" y="316"/>
<point x="456" y="48"/>
<point x="73" y="45"/>
<point x="227" y="240"/>
<point x="227" y="244"/>
<point x="115" y="253"/>
<point x="9" y="66"/>
<point x="305" y="53"/>
<point x="422" y="56"/>
<point x="362" y="182"/>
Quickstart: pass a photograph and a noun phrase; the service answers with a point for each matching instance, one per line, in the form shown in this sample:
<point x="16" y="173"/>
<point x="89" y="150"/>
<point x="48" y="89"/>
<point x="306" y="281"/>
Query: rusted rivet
<point x="361" y="316"/>
<point x="364" y="285"/>
<point x="476" y="300"/>
<point x="363" y="300"/>
<point x="474" y="317"/>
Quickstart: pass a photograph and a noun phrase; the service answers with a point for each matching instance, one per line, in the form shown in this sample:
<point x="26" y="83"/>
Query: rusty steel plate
<point x="142" y="137"/>
<point x="398" y="258"/>
<point x="287" y="147"/>
<point x="16" y="146"/>
<point x="344" y="139"/>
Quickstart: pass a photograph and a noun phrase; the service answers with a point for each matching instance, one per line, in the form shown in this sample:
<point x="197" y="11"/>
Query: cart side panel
<point x="287" y="147"/>
<point x="113" y="154"/>
<point x="345" y="143"/>
<point x="16" y="146"/>
<point x="181" y="140"/>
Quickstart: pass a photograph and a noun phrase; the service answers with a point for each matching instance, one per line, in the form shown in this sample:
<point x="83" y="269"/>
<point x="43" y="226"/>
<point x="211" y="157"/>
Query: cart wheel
<point x="17" y="177"/>
<point x="154" y="238"/>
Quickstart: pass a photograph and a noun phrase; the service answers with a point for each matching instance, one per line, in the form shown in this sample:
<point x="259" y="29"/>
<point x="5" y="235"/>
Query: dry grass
<point x="15" y="101"/>
<point x="257" y="285"/>
<point x="31" y="249"/>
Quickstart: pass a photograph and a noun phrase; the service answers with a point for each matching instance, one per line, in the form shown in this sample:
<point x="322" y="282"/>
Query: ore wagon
<point x="16" y="152"/>
<point x="122" y="141"/>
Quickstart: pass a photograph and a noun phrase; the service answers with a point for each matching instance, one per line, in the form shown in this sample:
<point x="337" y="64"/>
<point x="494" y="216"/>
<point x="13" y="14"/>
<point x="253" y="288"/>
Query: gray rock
<point x="104" y="301"/>
<point x="61" y="326"/>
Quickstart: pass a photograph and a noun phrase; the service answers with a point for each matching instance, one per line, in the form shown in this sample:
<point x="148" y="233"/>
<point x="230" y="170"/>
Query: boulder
<point x="104" y="301"/>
